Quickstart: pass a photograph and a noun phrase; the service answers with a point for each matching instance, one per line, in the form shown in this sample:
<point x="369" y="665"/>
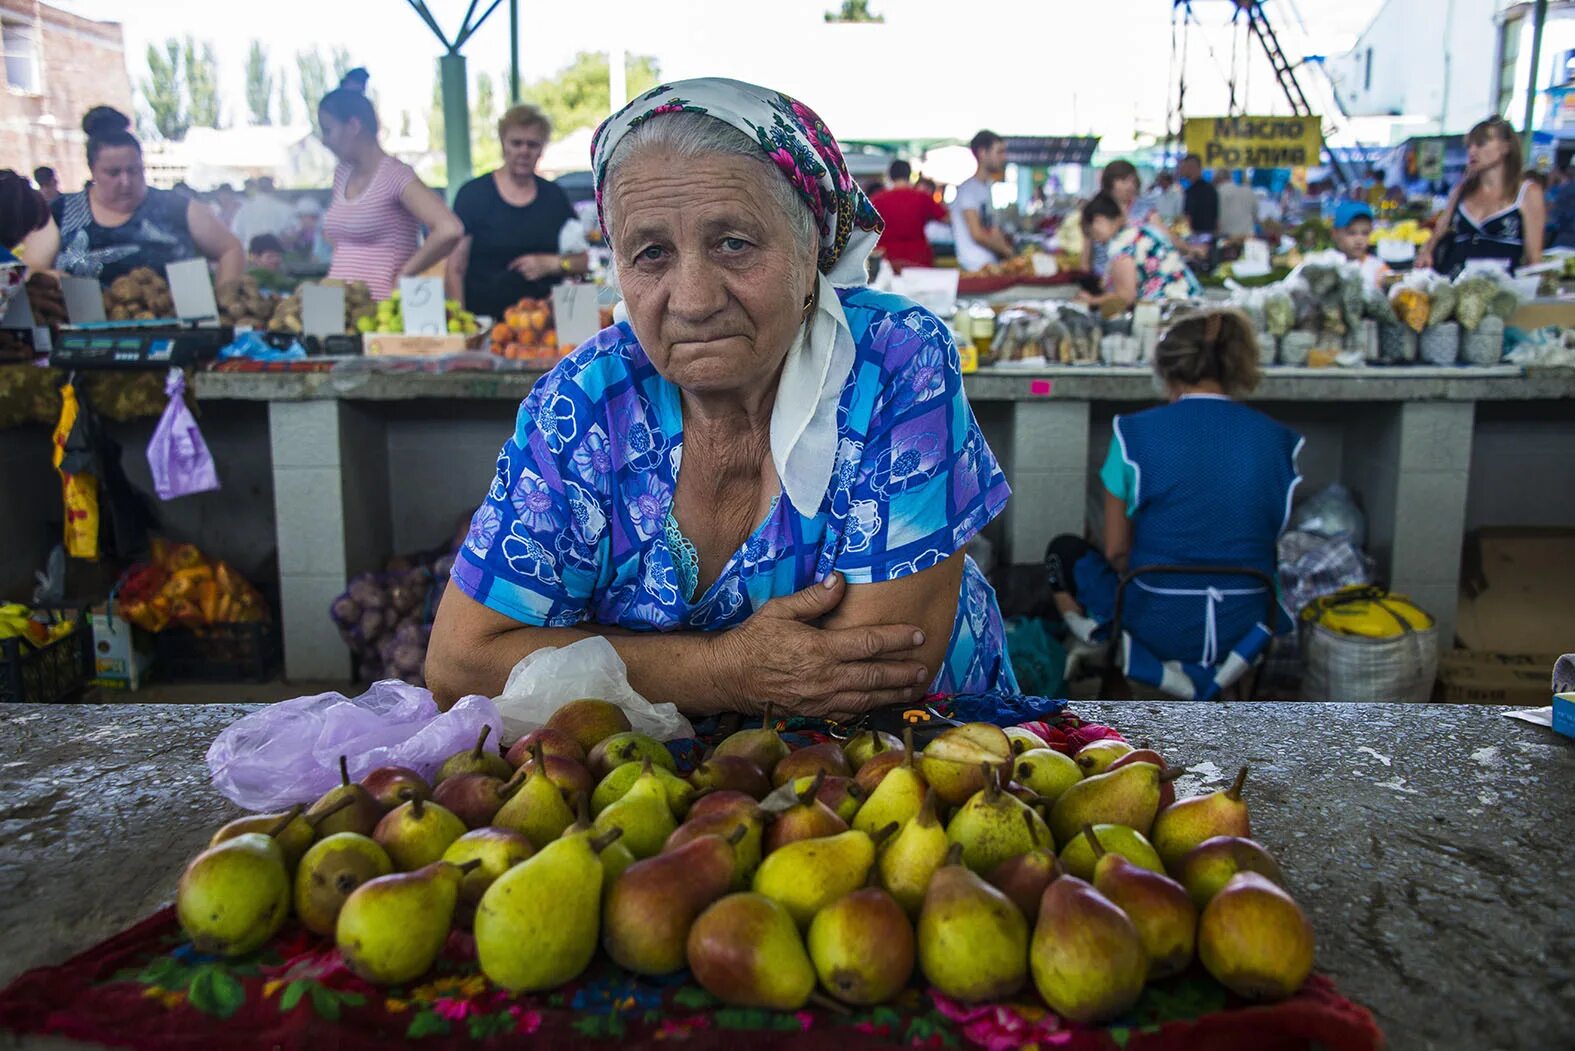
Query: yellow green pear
<point x="1088" y="959"/>
<point x="1096" y="757"/>
<point x="1255" y="939"/>
<point x="610" y="789"/>
<point x="330" y="872"/>
<point x="535" y="808"/>
<point x="911" y="857"/>
<point x="643" y="813"/>
<point x="1046" y="772"/>
<point x="993" y="826"/>
<point x="391" y="929"/>
<point x="745" y="950"/>
<point x="862" y="947"/>
<point x="1077" y="857"/>
<point x="1187" y="823"/>
<point x="897" y="797"/>
<point x="1127" y="795"/>
<point x="973" y="942"/>
<point x="1158" y="906"/>
<point x="808" y="874"/>
<point x="233" y="897"/>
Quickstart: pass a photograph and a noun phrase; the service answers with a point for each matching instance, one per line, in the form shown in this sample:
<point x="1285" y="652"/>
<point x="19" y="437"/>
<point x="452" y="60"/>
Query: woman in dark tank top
<point x="1493" y="214"/>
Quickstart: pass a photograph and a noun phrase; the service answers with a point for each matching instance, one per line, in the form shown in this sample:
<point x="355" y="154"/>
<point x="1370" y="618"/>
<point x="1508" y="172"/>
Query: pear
<point x="647" y="913"/>
<point x="1024" y="878"/>
<point x="808" y="818"/>
<point x="762" y="747"/>
<point x="725" y="802"/>
<point x="416" y="833"/>
<point x="1096" y="757"/>
<point x="476" y="760"/>
<point x="234" y="896"/>
<point x="810" y="874"/>
<point x="1078" y="857"/>
<point x="568" y="775"/>
<point x="840" y="794"/>
<point x="391" y="929"/>
<point x="589" y="721"/>
<point x="360" y="816"/>
<point x="862" y="947"/>
<point x="1024" y="739"/>
<point x="875" y="769"/>
<point x="1188" y="822"/>
<point x="1206" y="868"/>
<point x="951" y="763"/>
<point x="911" y="857"/>
<point x="745" y="950"/>
<point x="1158" y="906"/>
<point x="293" y="830"/>
<point x="897" y="797"/>
<point x="1046" y="772"/>
<point x="535" y="807"/>
<point x="1128" y="796"/>
<point x="1087" y="958"/>
<point x="536" y="926"/>
<point x="614" y="856"/>
<point x="334" y="867"/>
<point x="553" y="742"/>
<point x="680" y="793"/>
<point x="824" y="758"/>
<point x="866" y="744"/>
<point x="628" y="747"/>
<point x="730" y="773"/>
<point x="387" y="782"/>
<point x="973" y="942"/>
<point x="747" y="850"/>
<point x="473" y="798"/>
<point x="496" y="850"/>
<point x="1254" y="939"/>
<point x="643" y="813"/>
<point x="1167" y="789"/>
<point x="993" y="826"/>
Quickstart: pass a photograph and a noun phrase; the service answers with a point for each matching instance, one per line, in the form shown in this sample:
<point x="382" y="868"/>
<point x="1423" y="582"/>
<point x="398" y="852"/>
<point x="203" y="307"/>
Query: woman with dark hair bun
<point x="1203" y="480"/>
<point x="119" y="223"/>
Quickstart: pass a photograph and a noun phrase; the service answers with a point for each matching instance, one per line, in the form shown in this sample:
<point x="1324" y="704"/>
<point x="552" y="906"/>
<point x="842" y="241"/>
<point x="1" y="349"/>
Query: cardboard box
<point x="1564" y="714"/>
<point x="122" y="652"/>
<point x="395" y="344"/>
<point x="1523" y="680"/>
<point x="1517" y="592"/>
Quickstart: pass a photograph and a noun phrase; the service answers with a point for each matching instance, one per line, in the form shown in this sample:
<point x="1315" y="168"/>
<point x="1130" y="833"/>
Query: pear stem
<point x="481" y="739"/>
<point x="953" y="855"/>
<point x="807" y="796"/>
<point x="879" y="742"/>
<point x="1234" y="791"/>
<point x="330" y="810"/>
<point x="826" y="1003"/>
<point x="880" y="835"/>
<point x="1093" y="841"/>
<point x="537" y="756"/>
<point x="606" y="839"/>
<point x="417" y="807"/>
<point x="1170" y="773"/>
<point x="765" y="716"/>
<point x="582" y="809"/>
<point x="344" y="771"/>
<point x="907" y="744"/>
<point x="512" y="785"/>
<point x="855" y="791"/>
<point x="992" y="784"/>
<point x="284" y="821"/>
<point x="737" y="835"/>
<point x="466" y="866"/>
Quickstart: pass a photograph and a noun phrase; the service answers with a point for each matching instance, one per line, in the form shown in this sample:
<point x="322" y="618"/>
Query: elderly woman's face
<point x="706" y="263"/>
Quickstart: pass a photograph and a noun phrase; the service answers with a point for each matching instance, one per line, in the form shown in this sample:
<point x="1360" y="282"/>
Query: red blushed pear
<point x="388" y="784"/>
<point x="1187" y="823"/>
<point x="553" y="742"/>
<point x="1167" y="790"/>
<point x="732" y="773"/>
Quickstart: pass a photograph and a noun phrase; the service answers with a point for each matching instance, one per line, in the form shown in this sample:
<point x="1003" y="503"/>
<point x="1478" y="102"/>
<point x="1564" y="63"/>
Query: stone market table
<point x="1431" y="845"/>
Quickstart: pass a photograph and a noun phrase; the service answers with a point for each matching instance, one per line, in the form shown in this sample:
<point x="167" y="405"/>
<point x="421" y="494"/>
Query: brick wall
<point x="79" y="64"/>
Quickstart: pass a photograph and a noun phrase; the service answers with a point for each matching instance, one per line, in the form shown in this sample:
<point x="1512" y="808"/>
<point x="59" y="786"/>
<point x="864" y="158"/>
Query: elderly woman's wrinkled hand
<point x="779" y="655"/>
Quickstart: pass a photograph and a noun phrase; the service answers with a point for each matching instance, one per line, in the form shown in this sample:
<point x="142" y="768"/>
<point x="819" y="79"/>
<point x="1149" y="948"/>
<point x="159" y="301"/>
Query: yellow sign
<point x="1255" y="142"/>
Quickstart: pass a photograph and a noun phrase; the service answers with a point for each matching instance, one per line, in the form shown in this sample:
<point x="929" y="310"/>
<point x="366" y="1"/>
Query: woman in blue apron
<point x="1201" y="481"/>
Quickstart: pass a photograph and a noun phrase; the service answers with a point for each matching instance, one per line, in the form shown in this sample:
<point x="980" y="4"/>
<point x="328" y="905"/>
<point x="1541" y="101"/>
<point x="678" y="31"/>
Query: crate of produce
<point x="50" y="673"/>
<point x="246" y="652"/>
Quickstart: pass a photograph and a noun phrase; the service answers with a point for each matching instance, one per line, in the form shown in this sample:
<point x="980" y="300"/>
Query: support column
<point x="456" y="120"/>
<point x="1430" y="507"/>
<point x="1047" y="464"/>
<point x="330" y="477"/>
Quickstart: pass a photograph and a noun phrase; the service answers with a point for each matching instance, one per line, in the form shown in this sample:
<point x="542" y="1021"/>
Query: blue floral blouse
<point x="574" y="527"/>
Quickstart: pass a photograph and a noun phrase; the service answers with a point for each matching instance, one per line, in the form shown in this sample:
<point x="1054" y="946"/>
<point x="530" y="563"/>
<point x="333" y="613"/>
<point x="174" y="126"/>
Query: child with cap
<point x="1353" y="227"/>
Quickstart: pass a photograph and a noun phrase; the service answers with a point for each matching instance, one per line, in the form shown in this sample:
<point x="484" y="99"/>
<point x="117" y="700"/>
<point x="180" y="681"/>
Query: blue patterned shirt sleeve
<point x="538" y="540"/>
<point x="924" y="481"/>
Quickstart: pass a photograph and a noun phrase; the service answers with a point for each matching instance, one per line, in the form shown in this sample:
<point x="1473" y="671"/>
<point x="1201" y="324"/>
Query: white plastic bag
<point x="551" y="677"/>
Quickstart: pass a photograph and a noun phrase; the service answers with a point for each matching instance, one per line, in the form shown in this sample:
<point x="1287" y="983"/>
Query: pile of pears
<point x="984" y="862"/>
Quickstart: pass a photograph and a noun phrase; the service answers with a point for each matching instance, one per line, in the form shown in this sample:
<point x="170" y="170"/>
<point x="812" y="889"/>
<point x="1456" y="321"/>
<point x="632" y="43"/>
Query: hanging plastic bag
<point x="288" y="753"/>
<point x="177" y="455"/>
<point x="549" y="678"/>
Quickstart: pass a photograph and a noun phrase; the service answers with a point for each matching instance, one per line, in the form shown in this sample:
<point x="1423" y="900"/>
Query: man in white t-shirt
<point x="1238" y="206"/>
<point x="979" y="240"/>
<point x="262" y="213"/>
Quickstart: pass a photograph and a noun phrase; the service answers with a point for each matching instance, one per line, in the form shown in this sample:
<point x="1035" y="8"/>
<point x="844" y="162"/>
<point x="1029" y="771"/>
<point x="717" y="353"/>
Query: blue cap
<point x="1350" y="211"/>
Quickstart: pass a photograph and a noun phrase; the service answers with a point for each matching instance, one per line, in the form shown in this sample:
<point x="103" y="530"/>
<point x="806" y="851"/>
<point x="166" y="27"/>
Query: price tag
<point x="191" y="287"/>
<point x="84" y="299"/>
<point x="19" y="314"/>
<point x="322" y="310"/>
<point x="421" y="302"/>
<point x="576" y="314"/>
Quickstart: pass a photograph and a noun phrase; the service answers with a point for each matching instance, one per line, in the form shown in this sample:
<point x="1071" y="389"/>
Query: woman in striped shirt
<point x="379" y="203"/>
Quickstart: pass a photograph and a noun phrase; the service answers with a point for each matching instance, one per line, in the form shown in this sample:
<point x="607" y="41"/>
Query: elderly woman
<point x="760" y="485"/>
<point x="521" y="233"/>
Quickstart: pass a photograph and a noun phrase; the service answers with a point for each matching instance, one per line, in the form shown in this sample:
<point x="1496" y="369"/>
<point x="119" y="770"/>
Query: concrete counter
<point x="1430" y="845"/>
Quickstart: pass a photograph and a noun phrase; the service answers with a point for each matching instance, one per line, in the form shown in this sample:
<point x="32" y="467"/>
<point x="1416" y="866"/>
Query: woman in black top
<point x="119" y="223"/>
<point x="513" y="221"/>
<point x="1492" y="214"/>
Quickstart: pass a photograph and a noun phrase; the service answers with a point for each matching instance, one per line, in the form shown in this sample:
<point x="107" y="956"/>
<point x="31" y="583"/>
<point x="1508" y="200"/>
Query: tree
<point x="342" y="64"/>
<point x="202" y="84"/>
<point x="577" y="97"/>
<point x="854" y="11"/>
<point x="486" y="152"/>
<point x="314" y="80"/>
<point x="259" y="84"/>
<point x="286" y="113"/>
<point x="162" y="91"/>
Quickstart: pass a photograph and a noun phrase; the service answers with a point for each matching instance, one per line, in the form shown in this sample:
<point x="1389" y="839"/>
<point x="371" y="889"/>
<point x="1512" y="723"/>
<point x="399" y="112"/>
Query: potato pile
<point x="47" y="300"/>
<point x="141" y="295"/>
<point x="245" y="305"/>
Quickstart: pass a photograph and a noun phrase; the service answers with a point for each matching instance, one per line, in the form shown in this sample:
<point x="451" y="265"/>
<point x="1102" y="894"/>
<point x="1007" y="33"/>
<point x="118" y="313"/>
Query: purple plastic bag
<point x="177" y="455"/>
<point x="288" y="753"/>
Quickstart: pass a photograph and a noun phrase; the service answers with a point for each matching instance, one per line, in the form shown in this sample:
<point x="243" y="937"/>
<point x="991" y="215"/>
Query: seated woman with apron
<point x="1201" y="481"/>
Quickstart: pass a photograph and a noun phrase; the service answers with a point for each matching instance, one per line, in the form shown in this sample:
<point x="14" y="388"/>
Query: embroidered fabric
<point x="685" y="558"/>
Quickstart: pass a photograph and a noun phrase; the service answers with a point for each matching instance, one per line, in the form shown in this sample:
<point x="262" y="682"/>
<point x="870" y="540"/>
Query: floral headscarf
<point x="790" y="135"/>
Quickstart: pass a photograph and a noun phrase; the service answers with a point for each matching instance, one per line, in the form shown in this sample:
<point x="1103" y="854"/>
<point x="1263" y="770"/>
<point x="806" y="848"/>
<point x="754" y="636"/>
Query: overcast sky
<point x="934" y="69"/>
